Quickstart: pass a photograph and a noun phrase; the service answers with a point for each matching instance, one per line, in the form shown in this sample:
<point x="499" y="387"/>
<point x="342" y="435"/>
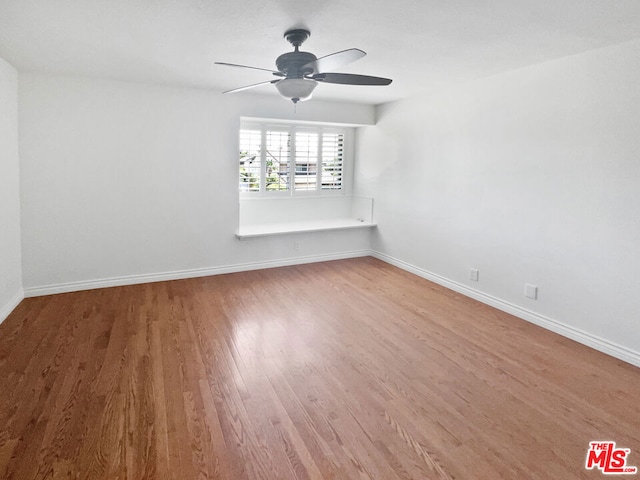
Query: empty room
<point x="319" y="239"/>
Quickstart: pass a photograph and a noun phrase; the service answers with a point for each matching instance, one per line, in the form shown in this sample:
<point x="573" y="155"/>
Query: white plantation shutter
<point x="292" y="159"/>
<point x="306" y="161"/>
<point x="332" y="161"/>
<point x="277" y="159"/>
<point x="250" y="159"/>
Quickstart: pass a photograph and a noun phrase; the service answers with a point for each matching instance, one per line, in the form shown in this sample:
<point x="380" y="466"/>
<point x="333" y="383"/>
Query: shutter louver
<point x="332" y="161"/>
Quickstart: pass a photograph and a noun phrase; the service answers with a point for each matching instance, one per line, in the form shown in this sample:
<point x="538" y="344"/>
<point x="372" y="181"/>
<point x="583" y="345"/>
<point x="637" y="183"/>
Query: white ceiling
<point x="420" y="44"/>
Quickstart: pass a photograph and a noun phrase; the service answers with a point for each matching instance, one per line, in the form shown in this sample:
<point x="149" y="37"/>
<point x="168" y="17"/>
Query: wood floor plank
<point x="350" y="369"/>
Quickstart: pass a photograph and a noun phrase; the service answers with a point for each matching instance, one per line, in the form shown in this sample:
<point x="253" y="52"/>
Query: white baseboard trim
<point x="580" y="336"/>
<point x="6" y="309"/>
<point x="191" y="273"/>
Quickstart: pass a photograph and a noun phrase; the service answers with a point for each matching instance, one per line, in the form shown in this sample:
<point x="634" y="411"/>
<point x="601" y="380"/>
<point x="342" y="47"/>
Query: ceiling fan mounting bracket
<point x="297" y="36"/>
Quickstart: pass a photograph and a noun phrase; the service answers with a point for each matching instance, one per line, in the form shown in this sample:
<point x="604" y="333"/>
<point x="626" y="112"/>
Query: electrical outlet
<point x="474" y="274"/>
<point x="530" y="291"/>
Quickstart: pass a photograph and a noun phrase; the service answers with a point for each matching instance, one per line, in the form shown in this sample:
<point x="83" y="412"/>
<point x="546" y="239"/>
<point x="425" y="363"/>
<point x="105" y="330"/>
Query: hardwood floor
<point x="351" y="369"/>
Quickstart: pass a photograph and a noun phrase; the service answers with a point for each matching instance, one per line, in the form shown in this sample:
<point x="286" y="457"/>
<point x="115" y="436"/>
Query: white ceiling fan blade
<point x="247" y="87"/>
<point x="252" y="68"/>
<point x="335" y="60"/>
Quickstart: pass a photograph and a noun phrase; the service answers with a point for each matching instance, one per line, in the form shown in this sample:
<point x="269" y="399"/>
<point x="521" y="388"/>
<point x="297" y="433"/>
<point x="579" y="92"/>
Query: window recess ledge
<point x="284" y="228"/>
<point x="261" y="217"/>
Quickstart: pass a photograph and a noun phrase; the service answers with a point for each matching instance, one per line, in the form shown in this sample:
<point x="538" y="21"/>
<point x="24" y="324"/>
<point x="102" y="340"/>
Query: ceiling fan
<point x="299" y="72"/>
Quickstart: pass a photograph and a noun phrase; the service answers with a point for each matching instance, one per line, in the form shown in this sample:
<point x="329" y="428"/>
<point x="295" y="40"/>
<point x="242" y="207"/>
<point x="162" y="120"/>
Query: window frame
<point x="292" y="128"/>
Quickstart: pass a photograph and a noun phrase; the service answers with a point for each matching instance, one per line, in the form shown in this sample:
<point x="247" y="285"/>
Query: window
<point x="293" y="159"/>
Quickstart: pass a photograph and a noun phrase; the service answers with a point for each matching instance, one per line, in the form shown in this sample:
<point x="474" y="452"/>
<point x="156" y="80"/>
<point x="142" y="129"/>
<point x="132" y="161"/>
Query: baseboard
<point x="180" y="274"/>
<point x="580" y="336"/>
<point x="6" y="310"/>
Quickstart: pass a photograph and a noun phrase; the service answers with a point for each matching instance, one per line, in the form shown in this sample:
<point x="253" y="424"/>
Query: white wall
<point x="10" y="256"/>
<point x="123" y="179"/>
<point x="531" y="176"/>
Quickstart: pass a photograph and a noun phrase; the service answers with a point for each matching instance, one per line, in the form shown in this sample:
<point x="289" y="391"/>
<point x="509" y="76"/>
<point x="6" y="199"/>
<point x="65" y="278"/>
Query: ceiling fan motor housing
<point x="291" y="64"/>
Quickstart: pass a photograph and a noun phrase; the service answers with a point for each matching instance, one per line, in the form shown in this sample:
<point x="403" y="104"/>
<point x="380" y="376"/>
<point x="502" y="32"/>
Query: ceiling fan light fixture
<point x="296" y="89"/>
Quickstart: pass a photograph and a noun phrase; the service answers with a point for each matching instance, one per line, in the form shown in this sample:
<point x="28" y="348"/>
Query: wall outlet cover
<point x="530" y="291"/>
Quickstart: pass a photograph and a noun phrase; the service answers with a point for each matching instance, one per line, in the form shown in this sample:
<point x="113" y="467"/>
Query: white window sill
<point x="283" y="228"/>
